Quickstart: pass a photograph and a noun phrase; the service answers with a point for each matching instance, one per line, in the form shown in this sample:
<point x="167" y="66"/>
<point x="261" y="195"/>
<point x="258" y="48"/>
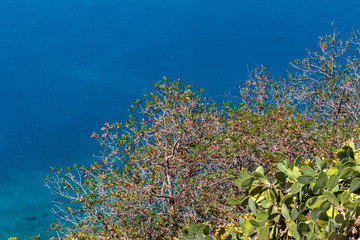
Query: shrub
<point x="265" y="139"/>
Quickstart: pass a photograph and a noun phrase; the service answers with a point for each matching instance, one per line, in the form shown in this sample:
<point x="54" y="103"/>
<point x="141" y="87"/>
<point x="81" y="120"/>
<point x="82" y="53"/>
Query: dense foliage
<point x="307" y="200"/>
<point x="176" y="160"/>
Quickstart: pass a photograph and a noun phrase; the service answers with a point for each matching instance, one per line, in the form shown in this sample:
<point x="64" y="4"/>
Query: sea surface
<point x="69" y="66"/>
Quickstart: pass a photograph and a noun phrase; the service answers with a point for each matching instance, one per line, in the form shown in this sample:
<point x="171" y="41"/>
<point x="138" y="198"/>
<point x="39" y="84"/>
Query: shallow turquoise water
<point x="69" y="66"/>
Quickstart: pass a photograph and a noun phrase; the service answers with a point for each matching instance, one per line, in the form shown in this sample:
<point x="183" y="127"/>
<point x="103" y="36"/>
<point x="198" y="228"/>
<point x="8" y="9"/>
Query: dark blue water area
<point x="67" y="67"/>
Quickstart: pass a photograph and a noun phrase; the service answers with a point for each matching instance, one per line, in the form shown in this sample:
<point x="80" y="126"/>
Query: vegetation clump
<point x="172" y="166"/>
<point x="305" y="200"/>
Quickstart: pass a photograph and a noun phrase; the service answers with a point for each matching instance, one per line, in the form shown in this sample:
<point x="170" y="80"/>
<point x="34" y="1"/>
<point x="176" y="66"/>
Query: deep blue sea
<point x="69" y="66"/>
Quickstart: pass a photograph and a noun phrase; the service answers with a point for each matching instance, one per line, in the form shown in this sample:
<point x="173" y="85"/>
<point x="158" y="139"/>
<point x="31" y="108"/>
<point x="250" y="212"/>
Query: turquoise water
<point x="67" y="67"/>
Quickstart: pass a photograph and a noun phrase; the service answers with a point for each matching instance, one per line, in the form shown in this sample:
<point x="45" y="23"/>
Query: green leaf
<point x="280" y="176"/>
<point x="287" y="200"/>
<point x="199" y="236"/>
<point x="331" y="171"/>
<point x="333" y="235"/>
<point x="322" y="180"/>
<point x="321" y="223"/>
<point x="285" y="212"/>
<point x="266" y="204"/>
<point x="296" y="187"/>
<point x="298" y="160"/>
<point x="281" y="167"/>
<point x="311" y="236"/>
<point x="244" y="175"/>
<point x="350" y="205"/>
<point x="233" y="201"/>
<point x="264" y="233"/>
<point x="352" y="145"/>
<point x="331" y="198"/>
<point x="315" y="188"/>
<point x="332" y="182"/>
<point x="345" y="165"/>
<point x="354" y="185"/>
<point x="262" y="216"/>
<point x="303" y="228"/>
<point x="201" y="226"/>
<point x="294" y="213"/>
<point x="339" y="218"/>
<point x="323" y="220"/>
<point x="356" y="212"/>
<point x="305" y="179"/>
<point x="325" y="206"/>
<point x="306" y="170"/>
<point x="188" y="231"/>
<point x="254" y="223"/>
<point x="273" y="215"/>
<point x="260" y="169"/>
<point x="257" y="190"/>
<point x="318" y="162"/>
<point x="247" y="182"/>
<point x="245" y="201"/>
<point x="315" y="202"/>
<point x="347" y="172"/>
<point x="249" y="229"/>
<point x="345" y="197"/>
<point x="261" y="177"/>
<point x="293" y="230"/>
<point x="272" y="194"/>
<point x="193" y="226"/>
<point x="302" y="207"/>
<point x="206" y="230"/>
<point x="315" y="213"/>
<point x="252" y="206"/>
<point x="238" y="182"/>
<point x="296" y="172"/>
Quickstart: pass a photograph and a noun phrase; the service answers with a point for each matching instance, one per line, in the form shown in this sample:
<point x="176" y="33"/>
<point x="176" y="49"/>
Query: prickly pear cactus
<point x="312" y="199"/>
<point x="306" y="200"/>
<point x="196" y="232"/>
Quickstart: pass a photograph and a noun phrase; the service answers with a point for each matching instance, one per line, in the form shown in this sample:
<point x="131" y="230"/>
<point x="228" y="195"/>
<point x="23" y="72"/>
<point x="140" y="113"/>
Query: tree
<point x="321" y="99"/>
<point x="157" y="172"/>
<point x="324" y="86"/>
